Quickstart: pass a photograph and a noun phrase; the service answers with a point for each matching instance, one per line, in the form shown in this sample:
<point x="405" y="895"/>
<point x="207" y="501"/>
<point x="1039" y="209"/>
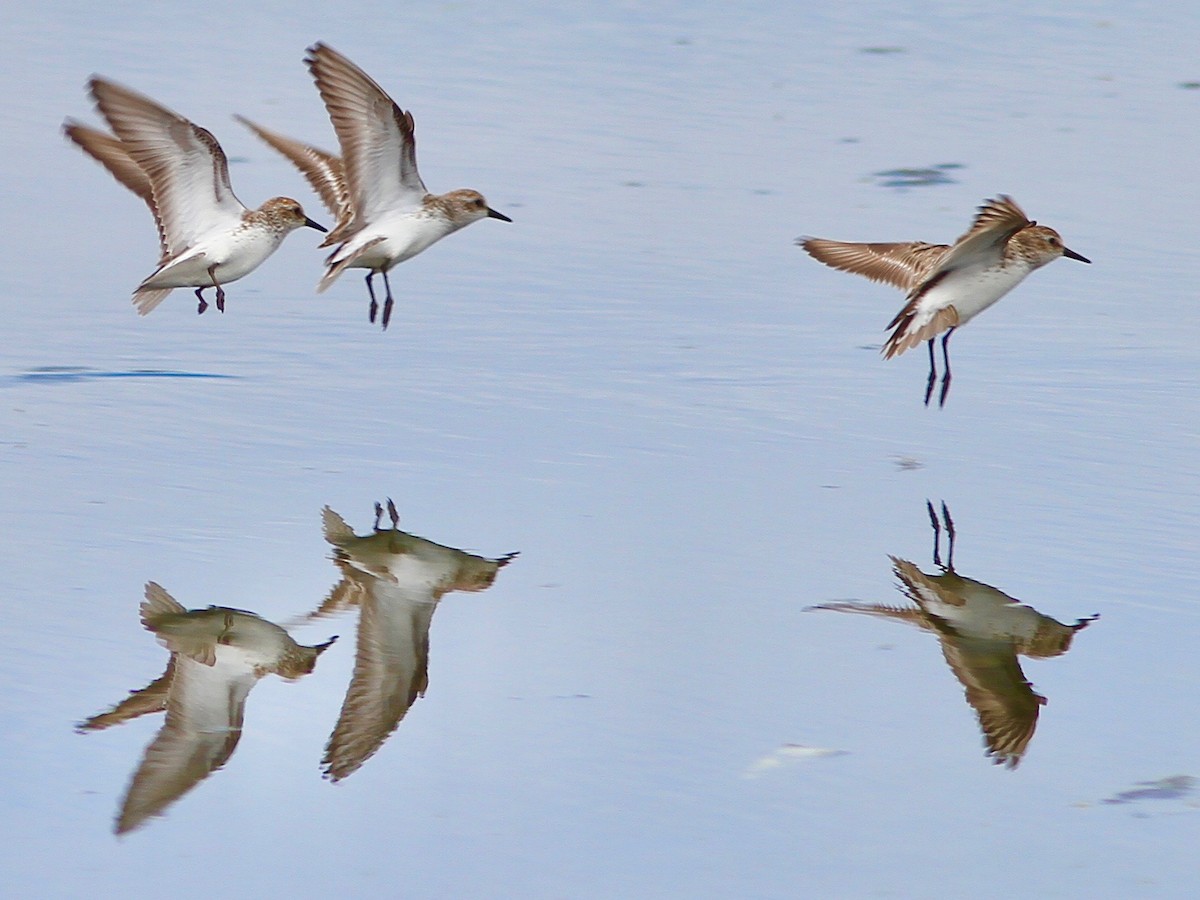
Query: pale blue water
<point x="679" y="420"/>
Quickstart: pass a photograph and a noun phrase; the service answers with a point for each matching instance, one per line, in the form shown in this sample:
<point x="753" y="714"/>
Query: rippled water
<point x="678" y="419"/>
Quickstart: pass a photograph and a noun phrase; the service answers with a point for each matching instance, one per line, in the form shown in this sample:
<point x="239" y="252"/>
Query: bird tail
<point x="330" y="276"/>
<point x="338" y="264"/>
<point x="145" y="299"/>
<point x="158" y="603"/>
<point x="911" y="328"/>
<point x="337" y="532"/>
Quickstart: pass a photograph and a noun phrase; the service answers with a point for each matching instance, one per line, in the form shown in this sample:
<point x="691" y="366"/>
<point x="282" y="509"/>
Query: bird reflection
<point x="396" y="579"/>
<point x="217" y="656"/>
<point x="982" y="630"/>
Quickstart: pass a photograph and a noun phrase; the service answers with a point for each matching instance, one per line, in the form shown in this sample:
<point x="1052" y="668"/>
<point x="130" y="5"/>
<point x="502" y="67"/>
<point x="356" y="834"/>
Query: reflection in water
<point x="396" y="579"/>
<point x="982" y="631"/>
<point x="71" y="374"/>
<point x="217" y="656"/>
<point x="922" y="177"/>
<point x="787" y="755"/>
<point x="1174" y="787"/>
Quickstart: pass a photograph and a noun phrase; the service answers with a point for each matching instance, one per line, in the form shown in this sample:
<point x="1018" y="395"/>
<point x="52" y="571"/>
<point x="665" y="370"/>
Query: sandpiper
<point x="217" y="655"/>
<point x="384" y="212"/>
<point x="949" y="285"/>
<point x="207" y="237"/>
<point x="982" y="631"/>
<point x="396" y="579"/>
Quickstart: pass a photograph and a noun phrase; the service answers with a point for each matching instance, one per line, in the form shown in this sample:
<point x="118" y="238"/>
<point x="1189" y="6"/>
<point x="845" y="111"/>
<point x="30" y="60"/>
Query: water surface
<point x="680" y="421"/>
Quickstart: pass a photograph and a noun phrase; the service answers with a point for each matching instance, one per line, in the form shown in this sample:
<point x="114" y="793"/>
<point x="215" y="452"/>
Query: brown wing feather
<point x="994" y="225"/>
<point x="323" y="171"/>
<point x="1003" y="699"/>
<point x="910" y="614"/>
<point x="995" y="687"/>
<point x="186" y="167"/>
<point x="369" y="127"/>
<point x="150" y="699"/>
<point x="1001" y="212"/>
<point x="391" y="670"/>
<point x="111" y="153"/>
<point x="900" y="265"/>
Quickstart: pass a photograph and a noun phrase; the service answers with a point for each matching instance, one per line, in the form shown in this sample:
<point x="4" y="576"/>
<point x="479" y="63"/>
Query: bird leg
<point x="949" y="537"/>
<point x="387" y="305"/>
<point x="937" y="537"/>
<point x="203" y="303"/>
<point x="378" y="514"/>
<point x="945" y="366"/>
<point x="393" y="515"/>
<point x="932" y="374"/>
<point x="371" y="291"/>
<point x="212" y="273"/>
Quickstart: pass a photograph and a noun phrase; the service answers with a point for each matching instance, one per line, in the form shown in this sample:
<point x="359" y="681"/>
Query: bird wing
<point x="150" y="699"/>
<point x="910" y="614"/>
<point x="900" y="265"/>
<point x="391" y="670"/>
<point x="983" y="244"/>
<point x="323" y="171"/>
<point x="186" y="167"/>
<point x="376" y="136"/>
<point x="202" y="729"/>
<point x="111" y="153"/>
<point x="987" y="668"/>
<point x="996" y="688"/>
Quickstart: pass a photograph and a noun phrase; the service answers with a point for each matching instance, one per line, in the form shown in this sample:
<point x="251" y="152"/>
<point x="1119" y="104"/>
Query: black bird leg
<point x="937" y="537"/>
<point x="212" y="273"/>
<point x="950" y="536"/>
<point x="946" y="376"/>
<point x="932" y="374"/>
<point x="387" y="304"/>
<point x="371" y="291"/>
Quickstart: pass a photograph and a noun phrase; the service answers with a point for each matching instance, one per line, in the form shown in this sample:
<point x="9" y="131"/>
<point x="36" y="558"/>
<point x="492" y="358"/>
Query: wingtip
<point x="97" y="85"/>
<point x="315" y="51"/>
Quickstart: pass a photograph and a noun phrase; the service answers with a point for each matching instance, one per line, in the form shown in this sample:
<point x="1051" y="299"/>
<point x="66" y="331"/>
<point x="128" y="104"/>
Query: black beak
<point x="311" y="224"/>
<point x="321" y="648"/>
<point x="1071" y="254"/>
<point x="492" y="214"/>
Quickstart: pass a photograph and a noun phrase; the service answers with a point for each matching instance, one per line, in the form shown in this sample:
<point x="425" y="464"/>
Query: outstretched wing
<point x="113" y="155"/>
<point x="900" y="265"/>
<point x="203" y="727"/>
<point x="186" y="167"/>
<point x="323" y="171"/>
<point x="376" y="136"/>
<point x="391" y="670"/>
<point x="1003" y="699"/>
